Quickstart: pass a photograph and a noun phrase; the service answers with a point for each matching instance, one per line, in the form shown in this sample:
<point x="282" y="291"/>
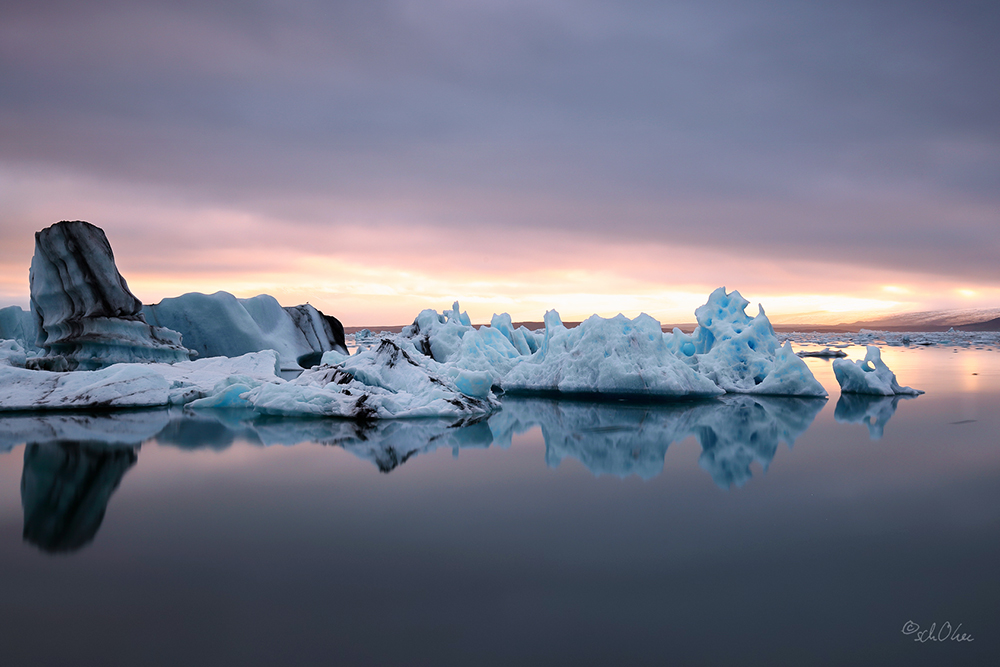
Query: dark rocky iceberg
<point x="85" y="315"/>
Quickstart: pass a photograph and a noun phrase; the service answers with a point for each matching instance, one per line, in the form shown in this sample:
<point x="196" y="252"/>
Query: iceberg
<point x="138" y="385"/>
<point x="741" y="354"/>
<point x="220" y="325"/>
<point x="84" y="313"/>
<point x="388" y="381"/>
<point x="610" y="357"/>
<point x="869" y="376"/>
<point x="12" y="354"/>
<point x="19" y="325"/>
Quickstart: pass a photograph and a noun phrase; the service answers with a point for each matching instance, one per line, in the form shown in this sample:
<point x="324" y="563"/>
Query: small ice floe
<point x="825" y="353"/>
<point x="869" y="376"/>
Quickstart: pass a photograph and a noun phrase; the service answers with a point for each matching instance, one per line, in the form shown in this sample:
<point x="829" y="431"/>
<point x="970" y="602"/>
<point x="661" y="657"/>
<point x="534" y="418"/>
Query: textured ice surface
<point x="869" y="376"/>
<point x="19" y="325"/>
<point x="615" y="356"/>
<point x="12" y="354"/>
<point x="85" y="315"/>
<point x="388" y="381"/>
<point x="134" y="385"/>
<point x="219" y="324"/>
<point x="742" y="354"/>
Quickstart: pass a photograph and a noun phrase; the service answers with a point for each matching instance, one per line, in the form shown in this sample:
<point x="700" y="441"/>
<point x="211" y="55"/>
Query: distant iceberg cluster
<point x="90" y="343"/>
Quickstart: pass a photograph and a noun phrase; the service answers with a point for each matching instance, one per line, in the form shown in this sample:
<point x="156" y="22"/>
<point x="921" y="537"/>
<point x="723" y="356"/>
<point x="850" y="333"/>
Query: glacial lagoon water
<point x="735" y="531"/>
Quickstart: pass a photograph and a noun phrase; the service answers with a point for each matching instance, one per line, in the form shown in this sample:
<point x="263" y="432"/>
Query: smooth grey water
<point x="552" y="533"/>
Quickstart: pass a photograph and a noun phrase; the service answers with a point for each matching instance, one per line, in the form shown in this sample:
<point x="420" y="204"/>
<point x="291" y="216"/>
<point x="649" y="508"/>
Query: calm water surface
<point x="739" y="531"/>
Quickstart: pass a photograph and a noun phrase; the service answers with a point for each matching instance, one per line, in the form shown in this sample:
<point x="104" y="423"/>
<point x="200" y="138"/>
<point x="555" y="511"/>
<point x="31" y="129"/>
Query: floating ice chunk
<point x="825" y="353"/>
<point x="133" y="385"/>
<point x="118" y="386"/>
<point x="385" y="382"/>
<point x="85" y="315"/>
<point x="869" y="376"/>
<point x="742" y="354"/>
<point x="616" y="356"/>
<point x="191" y="381"/>
<point x="12" y="354"/>
<point x="219" y="324"/>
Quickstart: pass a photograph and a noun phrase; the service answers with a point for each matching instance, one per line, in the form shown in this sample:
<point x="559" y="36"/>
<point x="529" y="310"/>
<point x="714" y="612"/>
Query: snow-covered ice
<point x="388" y="381"/>
<point x="135" y="385"/>
<point x="869" y="376"/>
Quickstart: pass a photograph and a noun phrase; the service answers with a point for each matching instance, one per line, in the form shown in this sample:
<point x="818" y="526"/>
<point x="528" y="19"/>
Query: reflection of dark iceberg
<point x="631" y="439"/>
<point x="870" y="410"/>
<point x="65" y="489"/>
<point x="73" y="462"/>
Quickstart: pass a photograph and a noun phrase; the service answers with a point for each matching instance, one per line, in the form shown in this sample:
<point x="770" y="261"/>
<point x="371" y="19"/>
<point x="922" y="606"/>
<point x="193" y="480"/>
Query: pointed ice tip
<point x="455" y="307"/>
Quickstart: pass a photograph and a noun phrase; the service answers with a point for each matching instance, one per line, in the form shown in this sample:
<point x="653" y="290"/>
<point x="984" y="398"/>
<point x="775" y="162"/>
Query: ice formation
<point x="742" y="354"/>
<point x="219" y="324"/>
<point x="138" y="385"/>
<point x="19" y="325"/>
<point x="869" y="376"/>
<point x="85" y="315"/>
<point x="825" y="353"/>
<point x="615" y="356"/>
<point x="388" y="381"/>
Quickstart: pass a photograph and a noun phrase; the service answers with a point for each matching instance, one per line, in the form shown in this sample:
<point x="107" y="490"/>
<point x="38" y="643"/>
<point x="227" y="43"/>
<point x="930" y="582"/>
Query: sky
<point x="831" y="160"/>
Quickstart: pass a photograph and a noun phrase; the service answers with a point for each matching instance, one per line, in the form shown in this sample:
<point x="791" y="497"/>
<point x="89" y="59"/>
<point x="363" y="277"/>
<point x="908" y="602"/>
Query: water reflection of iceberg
<point x="631" y="439"/>
<point x="73" y="462"/>
<point x="387" y="443"/>
<point x="870" y="410"/>
<point x="65" y="489"/>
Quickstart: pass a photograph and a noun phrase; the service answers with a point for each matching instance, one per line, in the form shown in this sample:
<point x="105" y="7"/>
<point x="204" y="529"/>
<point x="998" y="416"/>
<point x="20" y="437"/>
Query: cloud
<point x="866" y="135"/>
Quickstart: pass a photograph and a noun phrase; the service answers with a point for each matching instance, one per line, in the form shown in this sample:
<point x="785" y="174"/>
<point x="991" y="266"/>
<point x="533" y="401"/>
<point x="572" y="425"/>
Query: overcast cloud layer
<point x="865" y="134"/>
